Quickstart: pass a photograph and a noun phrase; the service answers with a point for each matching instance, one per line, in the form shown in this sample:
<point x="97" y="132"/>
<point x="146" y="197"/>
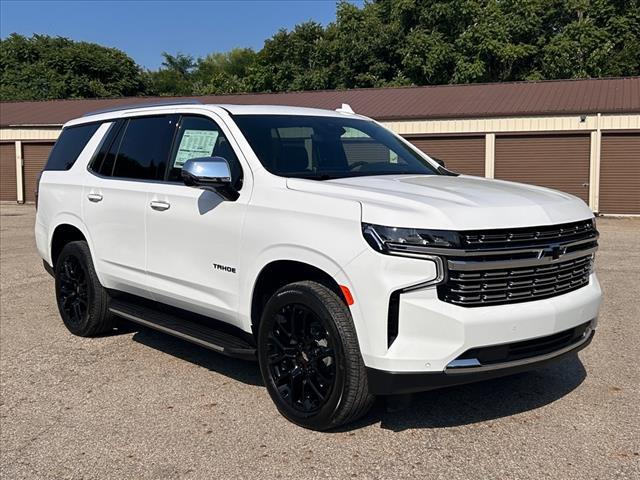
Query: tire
<point x="310" y="358"/>
<point x="83" y="302"/>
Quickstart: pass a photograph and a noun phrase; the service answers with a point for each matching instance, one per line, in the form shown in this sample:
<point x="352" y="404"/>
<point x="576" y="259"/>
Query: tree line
<point x="383" y="43"/>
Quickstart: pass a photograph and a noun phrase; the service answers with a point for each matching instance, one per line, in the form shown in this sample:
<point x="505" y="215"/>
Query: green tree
<point x="173" y="77"/>
<point x="223" y="72"/>
<point x="295" y="60"/>
<point x="216" y="73"/>
<point x="598" y="38"/>
<point x="43" y="67"/>
<point x="382" y="43"/>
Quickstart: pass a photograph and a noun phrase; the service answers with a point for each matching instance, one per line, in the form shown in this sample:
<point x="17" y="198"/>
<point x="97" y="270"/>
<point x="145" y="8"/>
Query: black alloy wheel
<point x="83" y="302"/>
<point x="310" y="357"/>
<point x="73" y="290"/>
<point x="301" y="358"/>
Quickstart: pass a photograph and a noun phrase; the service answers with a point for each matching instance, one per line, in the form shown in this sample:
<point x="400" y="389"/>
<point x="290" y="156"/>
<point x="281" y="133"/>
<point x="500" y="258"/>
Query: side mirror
<point x="439" y="161"/>
<point x="209" y="173"/>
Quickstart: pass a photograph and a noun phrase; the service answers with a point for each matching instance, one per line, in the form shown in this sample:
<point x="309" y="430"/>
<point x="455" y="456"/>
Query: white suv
<point x="347" y="261"/>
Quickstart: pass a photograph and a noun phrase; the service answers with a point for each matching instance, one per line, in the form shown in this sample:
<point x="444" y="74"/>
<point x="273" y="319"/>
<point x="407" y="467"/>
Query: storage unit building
<point x="578" y="136"/>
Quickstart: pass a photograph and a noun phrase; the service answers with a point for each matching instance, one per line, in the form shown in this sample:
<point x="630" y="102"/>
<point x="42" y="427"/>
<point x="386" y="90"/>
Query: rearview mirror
<point x="209" y="173"/>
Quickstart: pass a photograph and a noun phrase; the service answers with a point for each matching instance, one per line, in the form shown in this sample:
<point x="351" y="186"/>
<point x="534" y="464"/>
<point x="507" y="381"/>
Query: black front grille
<point x="527" y="348"/>
<point x="528" y="236"/>
<point x="495" y="267"/>
<point x="500" y="286"/>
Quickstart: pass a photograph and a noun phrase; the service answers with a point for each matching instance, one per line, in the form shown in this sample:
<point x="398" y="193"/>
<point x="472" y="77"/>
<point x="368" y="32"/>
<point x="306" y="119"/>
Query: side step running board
<point x="181" y="327"/>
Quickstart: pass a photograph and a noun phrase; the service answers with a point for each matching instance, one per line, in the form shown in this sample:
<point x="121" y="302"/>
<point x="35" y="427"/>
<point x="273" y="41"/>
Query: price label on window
<point x="194" y="144"/>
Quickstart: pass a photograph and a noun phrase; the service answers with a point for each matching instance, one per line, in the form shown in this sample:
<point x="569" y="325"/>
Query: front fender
<point x="301" y="254"/>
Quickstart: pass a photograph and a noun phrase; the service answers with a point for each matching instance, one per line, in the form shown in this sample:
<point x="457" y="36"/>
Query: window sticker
<point x="194" y="144"/>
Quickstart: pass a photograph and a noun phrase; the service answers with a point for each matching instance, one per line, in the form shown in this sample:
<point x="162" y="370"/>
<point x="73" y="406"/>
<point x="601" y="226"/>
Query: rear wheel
<point x="83" y="302"/>
<point x="310" y="359"/>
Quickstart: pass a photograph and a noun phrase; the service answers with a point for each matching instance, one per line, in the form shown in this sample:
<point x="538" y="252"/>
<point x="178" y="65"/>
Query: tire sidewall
<point x="75" y="249"/>
<point x="322" y="419"/>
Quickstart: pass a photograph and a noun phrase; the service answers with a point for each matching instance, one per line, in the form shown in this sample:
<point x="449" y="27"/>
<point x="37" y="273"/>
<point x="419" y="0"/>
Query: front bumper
<point x="389" y="383"/>
<point x="432" y="333"/>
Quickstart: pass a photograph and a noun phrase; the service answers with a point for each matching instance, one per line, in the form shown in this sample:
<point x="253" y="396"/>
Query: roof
<point x="556" y="97"/>
<point x="146" y="109"/>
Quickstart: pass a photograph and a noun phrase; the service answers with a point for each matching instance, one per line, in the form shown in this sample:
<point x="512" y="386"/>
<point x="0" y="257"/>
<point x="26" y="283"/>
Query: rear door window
<point x="105" y="159"/>
<point x="71" y="142"/>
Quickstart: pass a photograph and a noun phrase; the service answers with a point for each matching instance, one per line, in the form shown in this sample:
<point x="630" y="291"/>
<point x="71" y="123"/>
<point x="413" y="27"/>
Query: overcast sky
<point x="144" y="29"/>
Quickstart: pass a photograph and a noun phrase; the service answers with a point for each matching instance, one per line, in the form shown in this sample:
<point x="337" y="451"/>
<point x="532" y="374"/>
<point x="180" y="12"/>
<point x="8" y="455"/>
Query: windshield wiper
<point x="315" y="176"/>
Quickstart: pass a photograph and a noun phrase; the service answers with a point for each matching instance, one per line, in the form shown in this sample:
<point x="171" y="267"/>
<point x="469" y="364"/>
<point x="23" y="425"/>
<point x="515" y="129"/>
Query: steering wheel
<point x="355" y="165"/>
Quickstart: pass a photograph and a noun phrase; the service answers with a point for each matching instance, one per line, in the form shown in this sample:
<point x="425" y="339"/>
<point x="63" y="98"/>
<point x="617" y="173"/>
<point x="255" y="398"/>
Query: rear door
<point x="193" y="235"/>
<point x="132" y="158"/>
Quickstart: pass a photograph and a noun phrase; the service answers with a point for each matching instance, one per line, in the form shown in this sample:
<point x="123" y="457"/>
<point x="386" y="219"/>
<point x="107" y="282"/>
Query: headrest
<point x="224" y="150"/>
<point x="293" y="158"/>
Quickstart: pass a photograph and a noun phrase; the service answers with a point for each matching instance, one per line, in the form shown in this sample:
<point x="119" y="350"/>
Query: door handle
<point x="94" y="197"/>
<point x="585" y="184"/>
<point x="160" y="206"/>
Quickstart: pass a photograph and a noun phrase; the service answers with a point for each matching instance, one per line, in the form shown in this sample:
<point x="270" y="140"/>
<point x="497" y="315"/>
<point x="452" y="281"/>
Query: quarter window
<point x="71" y="142"/>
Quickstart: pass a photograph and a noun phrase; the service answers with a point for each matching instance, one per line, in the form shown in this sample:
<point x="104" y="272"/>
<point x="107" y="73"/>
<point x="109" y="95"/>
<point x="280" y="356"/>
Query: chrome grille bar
<point x="502" y="267"/>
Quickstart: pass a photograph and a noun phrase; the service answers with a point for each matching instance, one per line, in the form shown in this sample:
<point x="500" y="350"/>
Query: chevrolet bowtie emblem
<point x="554" y="251"/>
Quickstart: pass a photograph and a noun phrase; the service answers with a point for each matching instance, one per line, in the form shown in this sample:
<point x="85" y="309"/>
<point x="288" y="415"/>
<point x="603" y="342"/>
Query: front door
<point x="193" y="235"/>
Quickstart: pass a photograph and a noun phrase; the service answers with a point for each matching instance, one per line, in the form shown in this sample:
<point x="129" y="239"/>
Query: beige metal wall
<point x="517" y="124"/>
<point x="593" y="125"/>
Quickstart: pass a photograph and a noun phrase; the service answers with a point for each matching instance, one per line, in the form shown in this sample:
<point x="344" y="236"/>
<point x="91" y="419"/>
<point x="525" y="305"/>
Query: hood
<point x="450" y="203"/>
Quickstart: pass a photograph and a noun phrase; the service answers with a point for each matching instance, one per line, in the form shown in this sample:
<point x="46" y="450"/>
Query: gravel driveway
<point x="141" y="404"/>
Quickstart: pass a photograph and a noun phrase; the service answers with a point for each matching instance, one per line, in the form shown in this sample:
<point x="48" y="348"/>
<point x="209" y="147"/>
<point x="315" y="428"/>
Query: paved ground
<point x="144" y="405"/>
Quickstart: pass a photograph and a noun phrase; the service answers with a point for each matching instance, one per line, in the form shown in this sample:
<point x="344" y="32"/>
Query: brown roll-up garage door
<point x="555" y="161"/>
<point x="8" y="172"/>
<point x="460" y="154"/>
<point x="620" y="173"/>
<point x="35" y="156"/>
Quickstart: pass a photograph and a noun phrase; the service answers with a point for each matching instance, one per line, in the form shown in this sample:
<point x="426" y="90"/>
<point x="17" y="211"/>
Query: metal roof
<point x="555" y="97"/>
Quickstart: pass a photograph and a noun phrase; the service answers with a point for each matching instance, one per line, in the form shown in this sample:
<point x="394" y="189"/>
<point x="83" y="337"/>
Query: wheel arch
<point x="68" y="228"/>
<point x="278" y="273"/>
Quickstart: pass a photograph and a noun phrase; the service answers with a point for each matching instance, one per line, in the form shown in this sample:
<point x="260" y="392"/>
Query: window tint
<point x="201" y="137"/>
<point x="144" y="148"/>
<point x="71" y="142"/>
<point x="106" y="156"/>
<point x="328" y="147"/>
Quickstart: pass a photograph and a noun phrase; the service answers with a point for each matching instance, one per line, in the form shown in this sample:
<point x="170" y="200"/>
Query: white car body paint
<point x="168" y="255"/>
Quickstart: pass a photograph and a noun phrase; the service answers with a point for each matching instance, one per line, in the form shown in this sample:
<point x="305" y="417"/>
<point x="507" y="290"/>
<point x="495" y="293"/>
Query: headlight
<point x="409" y="241"/>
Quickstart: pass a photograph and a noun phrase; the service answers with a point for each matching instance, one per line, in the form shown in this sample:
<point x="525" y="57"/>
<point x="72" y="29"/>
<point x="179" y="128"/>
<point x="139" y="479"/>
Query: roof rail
<point x="144" y="105"/>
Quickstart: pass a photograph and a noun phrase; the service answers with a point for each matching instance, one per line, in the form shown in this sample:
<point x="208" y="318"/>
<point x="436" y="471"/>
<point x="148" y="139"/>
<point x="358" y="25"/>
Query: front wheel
<point x="310" y="359"/>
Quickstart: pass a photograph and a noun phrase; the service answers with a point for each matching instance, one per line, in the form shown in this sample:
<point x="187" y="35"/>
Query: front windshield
<point x="323" y="148"/>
